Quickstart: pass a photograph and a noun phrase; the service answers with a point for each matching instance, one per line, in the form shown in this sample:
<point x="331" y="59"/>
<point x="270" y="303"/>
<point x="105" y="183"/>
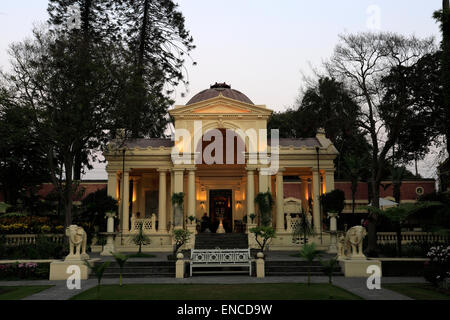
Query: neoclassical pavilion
<point x="220" y="158"/>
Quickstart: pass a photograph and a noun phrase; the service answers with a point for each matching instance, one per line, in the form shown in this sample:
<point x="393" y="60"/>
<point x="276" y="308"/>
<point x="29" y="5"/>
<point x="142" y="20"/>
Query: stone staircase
<point x="141" y="269"/>
<point x="222" y="241"/>
<point x="296" y="268"/>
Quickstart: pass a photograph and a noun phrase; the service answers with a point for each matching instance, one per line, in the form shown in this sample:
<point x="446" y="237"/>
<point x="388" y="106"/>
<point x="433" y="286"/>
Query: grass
<point x="140" y="255"/>
<point x="17" y="293"/>
<point x="278" y="291"/>
<point x="418" y="291"/>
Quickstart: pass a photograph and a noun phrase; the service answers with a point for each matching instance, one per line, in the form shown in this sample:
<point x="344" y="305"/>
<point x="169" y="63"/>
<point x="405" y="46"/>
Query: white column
<point x="316" y="199"/>
<point x="162" y="224"/>
<point x="178" y="180"/>
<point x="280" y="202"/>
<point x="304" y="192"/>
<point x="126" y="202"/>
<point x="250" y="192"/>
<point x="191" y="193"/>
<point x="329" y="180"/>
<point x="263" y="182"/>
<point x="178" y="188"/>
<point x="112" y="185"/>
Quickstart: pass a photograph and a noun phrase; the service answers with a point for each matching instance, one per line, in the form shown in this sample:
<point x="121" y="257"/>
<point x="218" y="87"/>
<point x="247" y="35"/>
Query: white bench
<point x="220" y="258"/>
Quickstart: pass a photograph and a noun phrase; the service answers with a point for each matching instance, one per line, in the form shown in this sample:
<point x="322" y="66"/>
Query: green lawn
<point x="278" y="291"/>
<point x="17" y="293"/>
<point x="418" y="291"/>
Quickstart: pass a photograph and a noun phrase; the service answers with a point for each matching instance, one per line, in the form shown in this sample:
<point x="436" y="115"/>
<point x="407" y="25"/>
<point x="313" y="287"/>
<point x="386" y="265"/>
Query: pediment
<point x="220" y="105"/>
<point x="220" y="108"/>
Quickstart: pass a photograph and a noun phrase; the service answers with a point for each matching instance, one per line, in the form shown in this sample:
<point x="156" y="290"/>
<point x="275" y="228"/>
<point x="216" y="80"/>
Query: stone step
<point x="150" y="270"/>
<point x="287" y="263"/>
<point x="139" y="275"/>
<point x="293" y="274"/>
<point x="297" y="268"/>
<point x="143" y="263"/>
<point x="222" y="241"/>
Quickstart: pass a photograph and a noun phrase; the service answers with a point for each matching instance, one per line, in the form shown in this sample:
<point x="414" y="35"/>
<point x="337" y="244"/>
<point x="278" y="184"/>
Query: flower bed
<point x="437" y="270"/>
<point x="24" y="271"/>
<point x="29" y="225"/>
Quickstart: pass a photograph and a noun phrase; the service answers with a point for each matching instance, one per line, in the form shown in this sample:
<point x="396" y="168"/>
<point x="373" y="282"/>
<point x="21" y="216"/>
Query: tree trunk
<point x="68" y="191"/>
<point x="372" y="234"/>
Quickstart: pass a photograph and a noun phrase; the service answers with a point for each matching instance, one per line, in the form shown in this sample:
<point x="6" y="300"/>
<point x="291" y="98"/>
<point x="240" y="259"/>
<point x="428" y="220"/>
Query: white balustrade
<point x="410" y="236"/>
<point x="27" y="239"/>
<point x="148" y="225"/>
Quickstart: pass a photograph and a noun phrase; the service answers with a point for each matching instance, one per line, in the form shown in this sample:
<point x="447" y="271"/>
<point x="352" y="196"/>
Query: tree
<point x="309" y="253"/>
<point x="264" y="201"/>
<point x="333" y="201"/>
<point x="181" y="237"/>
<point x="23" y="166"/>
<point x="354" y="168"/>
<point x="94" y="208"/>
<point x="263" y="234"/>
<point x="46" y="75"/>
<point x="325" y="104"/>
<point x="329" y="267"/>
<point x="121" y="260"/>
<point x="141" y="239"/>
<point x="98" y="269"/>
<point x="399" y="214"/>
<point x="87" y="23"/>
<point x="157" y="43"/>
<point x="362" y="62"/>
<point x="443" y="17"/>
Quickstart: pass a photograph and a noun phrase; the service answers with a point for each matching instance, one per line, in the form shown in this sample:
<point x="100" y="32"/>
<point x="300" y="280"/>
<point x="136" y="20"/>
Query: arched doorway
<point x="220" y="171"/>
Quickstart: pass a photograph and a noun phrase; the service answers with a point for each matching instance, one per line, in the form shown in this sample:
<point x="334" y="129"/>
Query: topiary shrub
<point x="333" y="201"/>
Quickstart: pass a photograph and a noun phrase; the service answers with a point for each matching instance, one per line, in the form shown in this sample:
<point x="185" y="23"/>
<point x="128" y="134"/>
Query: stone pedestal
<point x="62" y="270"/>
<point x="191" y="242"/>
<point x="260" y="269"/>
<point x="180" y="266"/>
<point x="332" y="248"/>
<point x="109" y="246"/>
<point x="357" y="268"/>
<point x="251" y="237"/>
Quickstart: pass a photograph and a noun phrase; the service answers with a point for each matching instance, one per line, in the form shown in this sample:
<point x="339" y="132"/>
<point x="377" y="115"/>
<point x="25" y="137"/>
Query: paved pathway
<point x="357" y="286"/>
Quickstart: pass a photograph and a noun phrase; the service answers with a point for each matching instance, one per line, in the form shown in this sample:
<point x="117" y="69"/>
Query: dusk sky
<point x="260" y="47"/>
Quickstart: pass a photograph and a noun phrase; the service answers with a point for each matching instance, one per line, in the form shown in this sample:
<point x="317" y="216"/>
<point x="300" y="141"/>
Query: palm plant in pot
<point x="177" y="202"/>
<point x="265" y="204"/>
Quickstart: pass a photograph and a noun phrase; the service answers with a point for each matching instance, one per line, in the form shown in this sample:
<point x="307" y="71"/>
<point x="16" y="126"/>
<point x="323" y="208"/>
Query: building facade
<point x="220" y="159"/>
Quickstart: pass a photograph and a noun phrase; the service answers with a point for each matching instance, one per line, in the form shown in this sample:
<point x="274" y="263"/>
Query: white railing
<point x="24" y="239"/>
<point x="410" y="236"/>
<point x="148" y="225"/>
<point x="292" y="223"/>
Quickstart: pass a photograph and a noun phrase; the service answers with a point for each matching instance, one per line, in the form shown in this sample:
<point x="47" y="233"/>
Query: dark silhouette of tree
<point x="362" y="62"/>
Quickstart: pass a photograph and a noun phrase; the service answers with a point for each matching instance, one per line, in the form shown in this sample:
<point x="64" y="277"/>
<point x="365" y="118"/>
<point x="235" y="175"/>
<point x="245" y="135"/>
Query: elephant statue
<point x="353" y="242"/>
<point x="77" y="243"/>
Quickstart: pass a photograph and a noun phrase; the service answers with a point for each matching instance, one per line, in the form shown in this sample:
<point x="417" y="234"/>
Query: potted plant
<point x="265" y="204"/>
<point x="177" y="202"/>
<point x="252" y="217"/>
<point x="191" y="219"/>
<point x="333" y="202"/>
<point x="181" y="237"/>
<point x="263" y="235"/>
